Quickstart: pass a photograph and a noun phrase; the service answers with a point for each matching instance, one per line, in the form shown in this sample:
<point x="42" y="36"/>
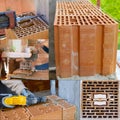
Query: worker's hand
<point x="32" y="98"/>
<point x="3" y="103"/>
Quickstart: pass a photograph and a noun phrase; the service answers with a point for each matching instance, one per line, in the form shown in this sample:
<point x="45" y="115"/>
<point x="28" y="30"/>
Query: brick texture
<point x="30" y="26"/>
<point x="54" y="109"/>
<point x="33" y="28"/>
<point x="85" y="40"/>
<point x="19" y="5"/>
<point x="100" y="100"/>
<point x="69" y="110"/>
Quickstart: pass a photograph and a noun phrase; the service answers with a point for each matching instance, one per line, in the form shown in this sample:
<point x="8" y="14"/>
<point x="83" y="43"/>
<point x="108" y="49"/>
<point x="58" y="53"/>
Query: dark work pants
<point x="4" y="90"/>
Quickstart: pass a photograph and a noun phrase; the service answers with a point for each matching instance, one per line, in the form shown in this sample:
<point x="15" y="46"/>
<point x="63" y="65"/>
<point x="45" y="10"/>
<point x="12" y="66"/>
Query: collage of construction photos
<point x="59" y="60"/>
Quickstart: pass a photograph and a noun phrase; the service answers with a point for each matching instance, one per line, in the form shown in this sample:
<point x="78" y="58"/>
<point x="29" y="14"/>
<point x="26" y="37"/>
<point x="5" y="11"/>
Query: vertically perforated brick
<point x="86" y="25"/>
<point x="65" y="50"/>
<point x="69" y="110"/>
<point x="109" y="49"/>
<point x="100" y="100"/>
<point x="45" y="112"/>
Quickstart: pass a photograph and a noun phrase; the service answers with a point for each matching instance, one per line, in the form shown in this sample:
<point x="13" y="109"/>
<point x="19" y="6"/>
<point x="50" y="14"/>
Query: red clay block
<point x="55" y="109"/>
<point x="100" y="100"/>
<point x="45" y="112"/>
<point x="65" y="50"/>
<point x="79" y="29"/>
<point x="69" y="110"/>
<point x="15" y="114"/>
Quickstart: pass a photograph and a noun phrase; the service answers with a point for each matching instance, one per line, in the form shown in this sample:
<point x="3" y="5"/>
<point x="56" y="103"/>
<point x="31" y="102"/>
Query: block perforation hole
<point x="102" y="102"/>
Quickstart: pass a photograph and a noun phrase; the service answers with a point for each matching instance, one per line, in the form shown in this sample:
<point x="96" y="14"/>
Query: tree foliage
<point x="110" y="7"/>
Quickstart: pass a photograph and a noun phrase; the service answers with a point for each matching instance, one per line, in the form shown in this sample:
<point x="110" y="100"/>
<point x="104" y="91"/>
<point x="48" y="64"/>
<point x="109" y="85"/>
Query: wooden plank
<point x="39" y="75"/>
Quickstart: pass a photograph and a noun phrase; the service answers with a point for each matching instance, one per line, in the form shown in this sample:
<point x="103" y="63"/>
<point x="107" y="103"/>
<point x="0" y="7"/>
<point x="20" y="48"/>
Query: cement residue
<point x="95" y="77"/>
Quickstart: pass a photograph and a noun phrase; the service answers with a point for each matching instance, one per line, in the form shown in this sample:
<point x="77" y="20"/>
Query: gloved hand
<point x="31" y="98"/>
<point x="26" y="98"/>
<point x="2" y="101"/>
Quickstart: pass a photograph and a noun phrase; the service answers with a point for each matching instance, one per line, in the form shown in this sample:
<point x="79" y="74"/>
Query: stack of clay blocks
<point x="30" y="26"/>
<point x="55" y="109"/>
<point x="100" y="100"/>
<point x="85" y="40"/>
<point x="26" y="65"/>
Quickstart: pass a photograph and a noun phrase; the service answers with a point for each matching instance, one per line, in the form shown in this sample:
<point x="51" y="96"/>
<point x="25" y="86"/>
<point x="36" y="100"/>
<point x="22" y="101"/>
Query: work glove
<point x="2" y="101"/>
<point x="32" y="98"/>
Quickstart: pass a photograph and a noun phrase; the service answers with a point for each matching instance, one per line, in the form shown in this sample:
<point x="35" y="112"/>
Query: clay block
<point x="45" y="112"/>
<point x="79" y="29"/>
<point x="65" y="47"/>
<point x="13" y="114"/>
<point x="34" y="28"/>
<point x="100" y="99"/>
<point x="54" y="109"/>
<point x="69" y="110"/>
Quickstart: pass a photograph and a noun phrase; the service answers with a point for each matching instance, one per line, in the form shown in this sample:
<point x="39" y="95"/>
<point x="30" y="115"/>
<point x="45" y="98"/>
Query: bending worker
<point x="13" y="92"/>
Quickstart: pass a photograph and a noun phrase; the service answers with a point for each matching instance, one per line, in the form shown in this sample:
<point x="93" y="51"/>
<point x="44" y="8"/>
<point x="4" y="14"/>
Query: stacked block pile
<point x="55" y="109"/>
<point x="100" y="100"/>
<point x="32" y="27"/>
<point x="85" y="40"/>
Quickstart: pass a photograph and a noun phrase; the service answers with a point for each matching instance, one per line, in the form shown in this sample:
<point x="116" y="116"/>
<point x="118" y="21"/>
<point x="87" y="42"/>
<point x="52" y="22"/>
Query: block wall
<point x="85" y="40"/>
<point x="55" y="109"/>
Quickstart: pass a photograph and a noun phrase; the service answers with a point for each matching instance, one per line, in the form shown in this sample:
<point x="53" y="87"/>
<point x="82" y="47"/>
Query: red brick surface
<point x="45" y="112"/>
<point x="54" y="109"/>
<point x="20" y="6"/>
<point x="30" y="26"/>
<point x="100" y="100"/>
<point x="85" y="40"/>
<point x="68" y="109"/>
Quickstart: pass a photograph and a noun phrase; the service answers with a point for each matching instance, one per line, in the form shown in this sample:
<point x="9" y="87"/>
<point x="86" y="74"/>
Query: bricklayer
<point x="100" y="100"/>
<point x="85" y="44"/>
<point x="53" y="110"/>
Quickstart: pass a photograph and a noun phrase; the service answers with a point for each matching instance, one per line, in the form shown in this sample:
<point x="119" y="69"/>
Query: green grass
<point x="112" y="8"/>
<point x="119" y="41"/>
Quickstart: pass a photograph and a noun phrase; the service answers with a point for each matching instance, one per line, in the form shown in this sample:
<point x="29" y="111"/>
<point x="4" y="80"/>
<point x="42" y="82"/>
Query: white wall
<point x="42" y="7"/>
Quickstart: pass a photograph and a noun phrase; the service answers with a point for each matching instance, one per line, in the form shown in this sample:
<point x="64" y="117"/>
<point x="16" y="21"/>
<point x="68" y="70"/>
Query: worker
<point x="14" y="92"/>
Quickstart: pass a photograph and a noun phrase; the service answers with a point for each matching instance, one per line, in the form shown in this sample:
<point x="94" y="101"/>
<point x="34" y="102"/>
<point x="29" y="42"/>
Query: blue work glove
<point x="31" y="98"/>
